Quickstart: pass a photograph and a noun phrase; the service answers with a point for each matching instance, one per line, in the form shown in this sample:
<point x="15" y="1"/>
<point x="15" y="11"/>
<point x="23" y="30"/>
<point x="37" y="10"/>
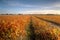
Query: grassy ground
<point x="29" y="27"/>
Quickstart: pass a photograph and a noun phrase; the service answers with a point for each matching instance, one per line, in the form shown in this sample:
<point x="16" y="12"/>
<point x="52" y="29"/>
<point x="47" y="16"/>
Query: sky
<point x="18" y="6"/>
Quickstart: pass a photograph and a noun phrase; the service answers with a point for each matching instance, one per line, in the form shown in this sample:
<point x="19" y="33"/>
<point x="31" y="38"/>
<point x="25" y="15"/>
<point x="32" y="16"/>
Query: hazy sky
<point x="16" y="6"/>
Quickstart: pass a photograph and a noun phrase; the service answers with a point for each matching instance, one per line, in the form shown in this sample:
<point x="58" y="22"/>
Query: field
<point x="13" y="26"/>
<point x="55" y="18"/>
<point x="45" y="30"/>
<point x="29" y="27"/>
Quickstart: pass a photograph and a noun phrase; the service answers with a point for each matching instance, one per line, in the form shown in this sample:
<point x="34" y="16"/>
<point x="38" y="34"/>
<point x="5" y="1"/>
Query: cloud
<point x="42" y="12"/>
<point x="56" y="4"/>
<point x="16" y="4"/>
<point x="32" y="3"/>
<point x="29" y="5"/>
<point x="19" y="5"/>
